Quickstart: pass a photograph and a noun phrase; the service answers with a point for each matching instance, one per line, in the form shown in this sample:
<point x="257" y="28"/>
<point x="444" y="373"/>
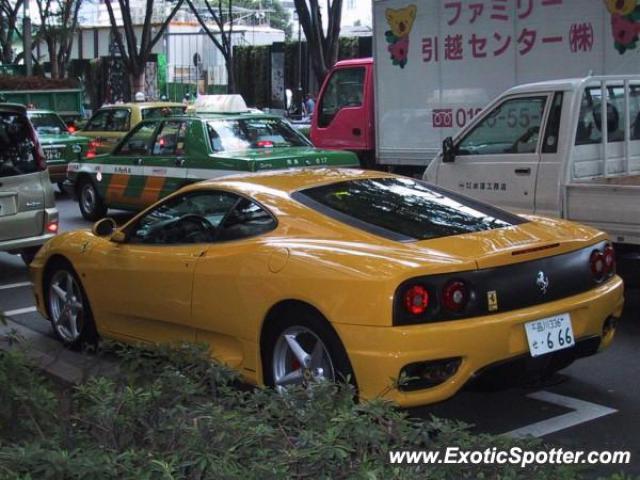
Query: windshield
<point x="243" y="134"/>
<point x="404" y="209"/>
<point x="160" y="112"/>
<point x="47" y="123"/>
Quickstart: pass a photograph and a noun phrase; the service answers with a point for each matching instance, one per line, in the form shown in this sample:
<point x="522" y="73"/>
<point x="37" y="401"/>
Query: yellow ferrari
<point x="405" y="289"/>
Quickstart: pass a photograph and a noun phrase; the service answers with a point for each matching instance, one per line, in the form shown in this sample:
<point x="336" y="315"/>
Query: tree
<point x="137" y="51"/>
<point x="58" y="26"/>
<point x="8" y="27"/>
<point x="323" y="46"/>
<point x="225" y="41"/>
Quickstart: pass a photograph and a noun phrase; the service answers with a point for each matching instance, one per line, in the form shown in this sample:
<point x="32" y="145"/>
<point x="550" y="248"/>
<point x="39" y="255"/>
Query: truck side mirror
<point x="448" y="150"/>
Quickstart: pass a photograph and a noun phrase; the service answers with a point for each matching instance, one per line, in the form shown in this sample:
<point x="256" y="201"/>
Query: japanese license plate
<point x="549" y="334"/>
<point x="53" y="153"/>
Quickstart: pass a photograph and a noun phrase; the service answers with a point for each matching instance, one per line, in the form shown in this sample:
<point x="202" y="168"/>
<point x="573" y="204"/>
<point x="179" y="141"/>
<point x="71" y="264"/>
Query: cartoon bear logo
<point x="401" y="22"/>
<point x="625" y="23"/>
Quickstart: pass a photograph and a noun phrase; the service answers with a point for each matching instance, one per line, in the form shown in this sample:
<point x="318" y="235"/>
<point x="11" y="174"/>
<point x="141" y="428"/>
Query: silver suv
<point x="28" y="216"/>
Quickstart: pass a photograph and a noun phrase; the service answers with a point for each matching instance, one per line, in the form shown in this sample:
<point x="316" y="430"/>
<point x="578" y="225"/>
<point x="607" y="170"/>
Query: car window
<point x="512" y="127"/>
<point x="345" y="89"/>
<point x="243" y="134"/>
<point x="44" y="123"/>
<point x="119" y="121"/>
<point x="589" y="129"/>
<point x="98" y="122"/>
<point x="138" y="142"/>
<point x="161" y="112"/>
<point x="17" y="148"/>
<point x="171" y="138"/>
<point x="247" y="219"/>
<point x="189" y="218"/>
<point x="404" y="209"/>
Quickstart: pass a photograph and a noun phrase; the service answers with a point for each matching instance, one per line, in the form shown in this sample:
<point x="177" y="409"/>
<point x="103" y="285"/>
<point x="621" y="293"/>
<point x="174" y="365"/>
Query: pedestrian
<point x="309" y="104"/>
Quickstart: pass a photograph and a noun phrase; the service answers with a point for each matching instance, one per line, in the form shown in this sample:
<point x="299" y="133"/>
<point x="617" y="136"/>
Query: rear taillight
<point x="91" y="150"/>
<point x="609" y="256"/>
<point x="455" y="296"/>
<point x="71" y="129"/>
<point x="52" y="226"/>
<point x="597" y="263"/>
<point x="416" y="300"/>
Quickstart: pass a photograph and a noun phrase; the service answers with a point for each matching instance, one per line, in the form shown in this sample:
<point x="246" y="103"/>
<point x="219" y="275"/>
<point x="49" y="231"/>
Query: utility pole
<point x="26" y="36"/>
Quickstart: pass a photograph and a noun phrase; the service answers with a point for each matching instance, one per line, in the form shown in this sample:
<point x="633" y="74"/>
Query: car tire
<point x="329" y="361"/>
<point x="91" y="204"/>
<point x="28" y="254"/>
<point x="68" y="307"/>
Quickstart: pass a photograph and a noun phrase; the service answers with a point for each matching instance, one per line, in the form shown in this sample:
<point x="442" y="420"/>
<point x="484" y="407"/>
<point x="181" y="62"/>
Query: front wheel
<point x="304" y="350"/>
<point x="91" y="204"/>
<point x="69" y="308"/>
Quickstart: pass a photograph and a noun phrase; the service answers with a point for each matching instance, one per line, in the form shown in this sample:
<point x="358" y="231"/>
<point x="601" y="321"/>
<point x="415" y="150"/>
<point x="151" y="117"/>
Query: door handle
<point x="523" y="171"/>
<point x="357" y="132"/>
<point x="138" y="161"/>
<point x="179" y="162"/>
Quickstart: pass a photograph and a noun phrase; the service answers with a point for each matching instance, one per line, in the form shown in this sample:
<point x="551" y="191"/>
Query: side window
<point x="98" y="122"/>
<point x="345" y="89"/>
<point x="550" y="143"/>
<point x="190" y="218"/>
<point x="634" y="111"/>
<point x="171" y="138"/>
<point x="138" y="142"/>
<point x="512" y="127"/>
<point x="589" y="129"/>
<point x="120" y="121"/>
<point x="247" y="219"/>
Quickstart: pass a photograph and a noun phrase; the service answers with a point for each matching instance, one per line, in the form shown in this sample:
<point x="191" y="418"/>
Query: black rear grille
<point x="512" y="287"/>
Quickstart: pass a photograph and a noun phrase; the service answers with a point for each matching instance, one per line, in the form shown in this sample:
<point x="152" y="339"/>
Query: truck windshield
<point x="243" y="134"/>
<point x="49" y="123"/>
<point x="404" y="209"/>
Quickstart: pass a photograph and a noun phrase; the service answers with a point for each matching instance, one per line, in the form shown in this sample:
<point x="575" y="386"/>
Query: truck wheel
<point x="91" y="205"/>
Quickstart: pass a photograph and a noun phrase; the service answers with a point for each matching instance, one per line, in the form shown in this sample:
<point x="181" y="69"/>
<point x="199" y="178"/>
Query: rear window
<point x="404" y="209"/>
<point x="160" y="112"/>
<point x="17" y="149"/>
<point x="49" y="123"/>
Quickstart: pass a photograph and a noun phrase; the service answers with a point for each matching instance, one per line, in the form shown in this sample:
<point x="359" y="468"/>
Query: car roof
<point x="211" y="116"/>
<point x="142" y="105"/>
<point x="40" y="110"/>
<point x="13" y="107"/>
<point x="291" y="180"/>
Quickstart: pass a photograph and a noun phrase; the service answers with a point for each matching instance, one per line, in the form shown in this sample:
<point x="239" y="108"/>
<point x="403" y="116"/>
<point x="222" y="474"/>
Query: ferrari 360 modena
<point x="403" y="289"/>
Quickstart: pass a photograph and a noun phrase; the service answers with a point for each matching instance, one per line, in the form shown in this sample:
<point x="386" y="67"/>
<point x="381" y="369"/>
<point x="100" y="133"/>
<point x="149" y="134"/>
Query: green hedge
<point x="172" y="414"/>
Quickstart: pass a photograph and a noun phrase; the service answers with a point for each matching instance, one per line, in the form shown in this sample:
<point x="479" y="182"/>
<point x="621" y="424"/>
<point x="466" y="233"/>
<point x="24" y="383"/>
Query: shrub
<point x="171" y="413"/>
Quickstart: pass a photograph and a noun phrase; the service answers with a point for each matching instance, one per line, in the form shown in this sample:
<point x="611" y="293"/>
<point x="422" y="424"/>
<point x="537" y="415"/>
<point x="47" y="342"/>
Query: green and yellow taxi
<point x="110" y="123"/>
<point x="59" y="145"/>
<point x="163" y="154"/>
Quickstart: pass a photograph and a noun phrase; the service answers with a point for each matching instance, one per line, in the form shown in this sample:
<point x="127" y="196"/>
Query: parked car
<point x="161" y="155"/>
<point x="110" y="123"/>
<point x="59" y="146"/>
<point x="332" y="274"/>
<point x="28" y="216"/>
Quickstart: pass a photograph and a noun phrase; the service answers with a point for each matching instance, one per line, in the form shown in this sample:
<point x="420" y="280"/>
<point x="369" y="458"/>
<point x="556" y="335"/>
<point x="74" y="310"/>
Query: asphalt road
<point x="592" y="405"/>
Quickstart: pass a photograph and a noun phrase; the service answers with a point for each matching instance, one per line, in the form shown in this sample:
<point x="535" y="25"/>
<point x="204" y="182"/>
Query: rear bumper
<point x="15" y="245"/>
<point x="378" y="354"/>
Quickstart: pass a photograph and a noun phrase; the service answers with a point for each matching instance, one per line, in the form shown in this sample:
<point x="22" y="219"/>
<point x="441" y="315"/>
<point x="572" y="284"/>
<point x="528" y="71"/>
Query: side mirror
<point x="448" y="150"/>
<point x="104" y="227"/>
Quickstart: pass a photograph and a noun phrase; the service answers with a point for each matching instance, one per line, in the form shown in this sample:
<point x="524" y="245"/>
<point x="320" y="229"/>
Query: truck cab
<point x="344" y="116"/>
<point x="564" y="148"/>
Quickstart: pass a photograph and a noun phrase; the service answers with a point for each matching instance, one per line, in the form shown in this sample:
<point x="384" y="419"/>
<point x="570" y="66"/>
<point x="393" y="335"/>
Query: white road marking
<point x="15" y="285"/>
<point x="19" y="311"/>
<point x="582" y="412"/>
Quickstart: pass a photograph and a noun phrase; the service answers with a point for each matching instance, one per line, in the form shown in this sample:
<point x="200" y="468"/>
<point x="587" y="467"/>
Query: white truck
<point x="437" y="63"/>
<point x="563" y="148"/>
